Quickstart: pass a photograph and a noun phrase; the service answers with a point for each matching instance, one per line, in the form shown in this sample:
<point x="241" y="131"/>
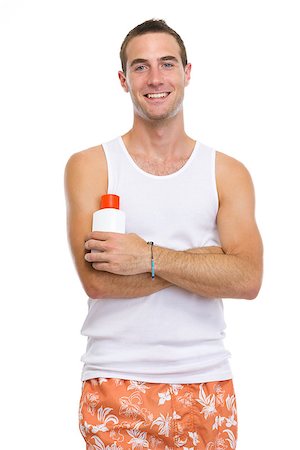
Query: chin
<point x="168" y="113"/>
<point x="159" y="117"/>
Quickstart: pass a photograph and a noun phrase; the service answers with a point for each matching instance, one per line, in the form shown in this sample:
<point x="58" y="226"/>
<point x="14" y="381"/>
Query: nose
<point x="155" y="77"/>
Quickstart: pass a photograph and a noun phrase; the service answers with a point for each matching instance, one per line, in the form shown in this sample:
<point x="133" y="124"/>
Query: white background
<point x="60" y="94"/>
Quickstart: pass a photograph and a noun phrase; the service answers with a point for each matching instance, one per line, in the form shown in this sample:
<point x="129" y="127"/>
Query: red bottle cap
<point x="110" y="201"/>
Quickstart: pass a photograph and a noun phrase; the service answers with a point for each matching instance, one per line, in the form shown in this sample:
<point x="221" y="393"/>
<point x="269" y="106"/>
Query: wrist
<point x="152" y="263"/>
<point x="159" y="254"/>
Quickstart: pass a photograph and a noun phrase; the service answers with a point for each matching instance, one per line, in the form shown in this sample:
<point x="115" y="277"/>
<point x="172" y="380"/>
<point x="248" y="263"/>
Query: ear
<point x="123" y="81"/>
<point x="187" y="73"/>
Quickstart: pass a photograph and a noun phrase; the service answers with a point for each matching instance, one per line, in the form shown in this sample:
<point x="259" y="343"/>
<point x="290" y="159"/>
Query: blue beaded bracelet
<point x="152" y="260"/>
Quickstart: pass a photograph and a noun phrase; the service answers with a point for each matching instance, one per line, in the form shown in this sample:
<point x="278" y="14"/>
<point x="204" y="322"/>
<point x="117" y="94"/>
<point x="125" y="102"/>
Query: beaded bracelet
<point x="152" y="260"/>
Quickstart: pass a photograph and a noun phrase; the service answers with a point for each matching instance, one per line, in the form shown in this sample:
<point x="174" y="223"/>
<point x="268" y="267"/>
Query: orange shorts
<point x="118" y="414"/>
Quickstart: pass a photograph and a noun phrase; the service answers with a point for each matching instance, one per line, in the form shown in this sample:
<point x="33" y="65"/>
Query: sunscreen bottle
<point x="109" y="217"/>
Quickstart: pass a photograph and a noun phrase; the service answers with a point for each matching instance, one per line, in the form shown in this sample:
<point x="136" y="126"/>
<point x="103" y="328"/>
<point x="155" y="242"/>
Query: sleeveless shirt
<point x="171" y="336"/>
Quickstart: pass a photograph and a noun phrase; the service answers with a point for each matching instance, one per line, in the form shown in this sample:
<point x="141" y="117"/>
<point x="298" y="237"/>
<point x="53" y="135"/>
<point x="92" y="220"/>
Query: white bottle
<point x="109" y="217"/>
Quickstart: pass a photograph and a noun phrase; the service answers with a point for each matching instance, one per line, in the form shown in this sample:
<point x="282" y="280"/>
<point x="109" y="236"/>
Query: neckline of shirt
<point x="151" y="175"/>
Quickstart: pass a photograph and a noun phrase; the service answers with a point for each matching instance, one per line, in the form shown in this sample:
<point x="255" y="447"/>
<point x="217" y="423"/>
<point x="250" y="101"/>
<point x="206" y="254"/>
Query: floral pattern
<point x="118" y="414"/>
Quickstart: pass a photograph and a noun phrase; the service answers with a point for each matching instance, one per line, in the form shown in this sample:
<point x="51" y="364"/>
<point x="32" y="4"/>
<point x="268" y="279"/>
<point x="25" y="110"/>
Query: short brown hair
<point x="151" y="26"/>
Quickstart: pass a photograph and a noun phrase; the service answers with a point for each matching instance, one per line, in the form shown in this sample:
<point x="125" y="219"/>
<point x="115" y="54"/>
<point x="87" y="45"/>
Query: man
<point x="156" y="374"/>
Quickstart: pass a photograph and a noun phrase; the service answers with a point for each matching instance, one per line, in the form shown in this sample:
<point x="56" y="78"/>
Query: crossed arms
<point x="122" y="267"/>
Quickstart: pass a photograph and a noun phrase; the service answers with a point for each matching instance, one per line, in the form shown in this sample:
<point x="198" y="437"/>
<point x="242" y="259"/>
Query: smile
<point x="157" y="95"/>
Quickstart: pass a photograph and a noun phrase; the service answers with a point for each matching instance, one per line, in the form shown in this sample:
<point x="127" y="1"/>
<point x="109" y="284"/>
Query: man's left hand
<point x="118" y="253"/>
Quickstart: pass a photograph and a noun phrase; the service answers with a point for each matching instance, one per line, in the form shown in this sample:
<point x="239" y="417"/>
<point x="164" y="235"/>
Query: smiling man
<point x="156" y="372"/>
<point x="162" y="97"/>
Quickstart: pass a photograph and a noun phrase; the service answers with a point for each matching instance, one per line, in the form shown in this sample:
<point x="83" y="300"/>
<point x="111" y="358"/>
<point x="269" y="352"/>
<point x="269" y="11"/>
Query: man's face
<point x="155" y="76"/>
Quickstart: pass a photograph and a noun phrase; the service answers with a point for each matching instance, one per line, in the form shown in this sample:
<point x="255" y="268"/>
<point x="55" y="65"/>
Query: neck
<point x="163" y="139"/>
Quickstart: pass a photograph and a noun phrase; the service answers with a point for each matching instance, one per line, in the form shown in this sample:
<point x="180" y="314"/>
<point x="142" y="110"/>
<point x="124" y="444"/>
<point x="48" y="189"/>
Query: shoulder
<point x="86" y="159"/>
<point x="86" y="171"/>
<point x="231" y="175"/>
<point x="226" y="164"/>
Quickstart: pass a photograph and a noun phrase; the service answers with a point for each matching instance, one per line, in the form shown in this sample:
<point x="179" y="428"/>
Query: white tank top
<point x="172" y="336"/>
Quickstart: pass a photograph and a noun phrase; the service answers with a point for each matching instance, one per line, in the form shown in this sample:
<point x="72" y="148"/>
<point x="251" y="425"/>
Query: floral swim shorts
<point x="117" y="414"/>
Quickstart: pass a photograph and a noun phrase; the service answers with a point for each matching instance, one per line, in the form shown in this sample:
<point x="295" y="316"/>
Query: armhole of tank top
<point x="110" y="179"/>
<point x="214" y="178"/>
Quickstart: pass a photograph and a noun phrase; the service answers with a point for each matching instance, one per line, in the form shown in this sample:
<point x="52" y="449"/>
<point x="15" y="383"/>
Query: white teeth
<point x="160" y="95"/>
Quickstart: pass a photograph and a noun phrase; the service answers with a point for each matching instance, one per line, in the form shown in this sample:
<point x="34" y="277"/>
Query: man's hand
<point x="121" y="254"/>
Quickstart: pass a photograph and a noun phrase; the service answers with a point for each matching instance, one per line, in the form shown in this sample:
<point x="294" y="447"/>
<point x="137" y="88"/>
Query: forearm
<point x="109" y="285"/>
<point x="101" y="284"/>
<point x="208" y="275"/>
<point x="214" y="274"/>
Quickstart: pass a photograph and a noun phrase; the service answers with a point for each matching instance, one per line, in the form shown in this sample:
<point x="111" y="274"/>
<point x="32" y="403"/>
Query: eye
<point x="168" y="65"/>
<point x="140" y="68"/>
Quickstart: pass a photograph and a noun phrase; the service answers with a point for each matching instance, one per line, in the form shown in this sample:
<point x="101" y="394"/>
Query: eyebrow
<point x="143" y="61"/>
